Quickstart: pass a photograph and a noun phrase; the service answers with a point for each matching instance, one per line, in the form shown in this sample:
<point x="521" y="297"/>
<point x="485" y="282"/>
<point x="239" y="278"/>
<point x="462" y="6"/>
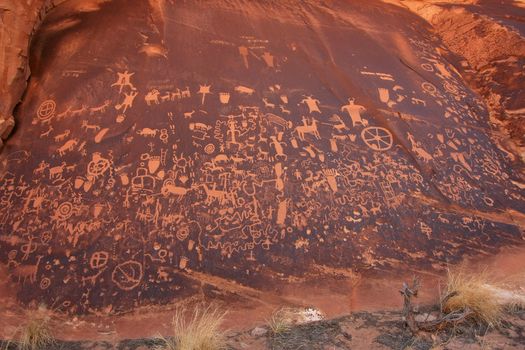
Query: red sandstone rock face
<point x="19" y="20"/>
<point x="242" y="141"/>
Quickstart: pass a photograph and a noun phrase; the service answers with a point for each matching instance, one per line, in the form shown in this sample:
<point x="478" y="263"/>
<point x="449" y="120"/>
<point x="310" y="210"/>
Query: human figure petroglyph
<point x="124" y="79"/>
<point x="128" y="101"/>
<point x="307" y="129"/>
<point x="355" y="112"/>
<point x="233" y="132"/>
<point x="312" y="104"/>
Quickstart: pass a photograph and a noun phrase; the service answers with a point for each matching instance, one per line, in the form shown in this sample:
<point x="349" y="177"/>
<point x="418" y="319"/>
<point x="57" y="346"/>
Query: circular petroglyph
<point x="209" y="148"/>
<point x="64" y="211"/>
<point x="99" y="259"/>
<point x="45" y="283"/>
<point x="183" y="233"/>
<point x="97" y="166"/>
<point x="430" y="88"/>
<point x="127" y="275"/>
<point x="46" y="110"/>
<point x="377" y="138"/>
<point x="428" y="67"/>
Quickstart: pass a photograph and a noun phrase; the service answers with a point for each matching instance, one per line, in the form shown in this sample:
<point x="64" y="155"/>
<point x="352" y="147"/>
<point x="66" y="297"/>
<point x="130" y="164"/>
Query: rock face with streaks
<point x="190" y="145"/>
<point x="19" y="20"/>
<point x="491" y="38"/>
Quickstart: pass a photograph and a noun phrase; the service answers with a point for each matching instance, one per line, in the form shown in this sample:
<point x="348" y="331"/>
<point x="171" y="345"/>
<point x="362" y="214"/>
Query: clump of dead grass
<point x="35" y="333"/>
<point x="200" y="331"/>
<point x="280" y="320"/>
<point x="474" y="292"/>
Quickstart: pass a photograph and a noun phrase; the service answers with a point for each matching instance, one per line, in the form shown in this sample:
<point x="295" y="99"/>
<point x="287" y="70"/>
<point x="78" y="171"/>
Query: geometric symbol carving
<point x="377" y="138"/>
<point x="46" y="110"/>
<point x="127" y="275"/>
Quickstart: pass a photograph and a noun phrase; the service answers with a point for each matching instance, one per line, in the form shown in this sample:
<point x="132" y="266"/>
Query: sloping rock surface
<point x="161" y="145"/>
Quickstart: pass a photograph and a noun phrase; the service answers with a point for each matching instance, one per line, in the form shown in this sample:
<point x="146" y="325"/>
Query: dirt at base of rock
<point x="362" y="330"/>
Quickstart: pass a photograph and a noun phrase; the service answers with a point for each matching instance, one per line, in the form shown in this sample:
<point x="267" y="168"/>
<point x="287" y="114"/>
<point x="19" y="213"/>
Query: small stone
<point x="259" y="331"/>
<point x="425" y="317"/>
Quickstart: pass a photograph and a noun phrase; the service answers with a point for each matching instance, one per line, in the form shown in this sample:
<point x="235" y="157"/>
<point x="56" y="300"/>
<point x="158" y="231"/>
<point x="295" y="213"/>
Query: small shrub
<point x="281" y="320"/>
<point x="474" y="291"/>
<point x="36" y="333"/>
<point x="201" y="331"/>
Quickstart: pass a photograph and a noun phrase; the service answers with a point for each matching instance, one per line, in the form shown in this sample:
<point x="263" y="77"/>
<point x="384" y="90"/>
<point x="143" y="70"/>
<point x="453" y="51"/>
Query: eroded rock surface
<point x="163" y="146"/>
<point x="19" y="20"/>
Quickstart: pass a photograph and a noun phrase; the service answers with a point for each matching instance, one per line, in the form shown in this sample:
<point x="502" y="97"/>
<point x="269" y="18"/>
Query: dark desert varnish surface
<point x="259" y="155"/>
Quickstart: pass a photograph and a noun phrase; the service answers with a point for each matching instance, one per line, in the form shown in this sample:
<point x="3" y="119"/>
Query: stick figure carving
<point x="124" y="79"/>
<point x="128" y="101"/>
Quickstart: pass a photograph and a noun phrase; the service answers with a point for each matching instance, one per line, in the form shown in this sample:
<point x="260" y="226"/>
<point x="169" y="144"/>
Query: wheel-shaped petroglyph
<point x="127" y="275"/>
<point x="98" y="260"/>
<point x="377" y="138"/>
<point x="46" y="110"/>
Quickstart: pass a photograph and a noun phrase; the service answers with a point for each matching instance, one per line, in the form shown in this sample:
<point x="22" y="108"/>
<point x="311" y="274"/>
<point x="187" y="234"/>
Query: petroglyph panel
<point x="242" y="153"/>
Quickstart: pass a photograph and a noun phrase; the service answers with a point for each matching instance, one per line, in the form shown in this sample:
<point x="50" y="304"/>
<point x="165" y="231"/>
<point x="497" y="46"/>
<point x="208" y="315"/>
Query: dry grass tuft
<point x="201" y="331"/>
<point x="36" y="333"/>
<point x="281" y="320"/>
<point x="473" y="291"/>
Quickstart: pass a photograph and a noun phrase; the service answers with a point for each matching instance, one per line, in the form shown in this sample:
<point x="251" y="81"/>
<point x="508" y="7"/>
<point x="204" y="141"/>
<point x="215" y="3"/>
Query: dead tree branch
<point x="444" y="320"/>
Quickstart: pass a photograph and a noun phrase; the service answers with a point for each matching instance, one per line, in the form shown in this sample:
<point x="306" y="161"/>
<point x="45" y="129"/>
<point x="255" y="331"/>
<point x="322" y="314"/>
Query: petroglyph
<point x="249" y="158"/>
